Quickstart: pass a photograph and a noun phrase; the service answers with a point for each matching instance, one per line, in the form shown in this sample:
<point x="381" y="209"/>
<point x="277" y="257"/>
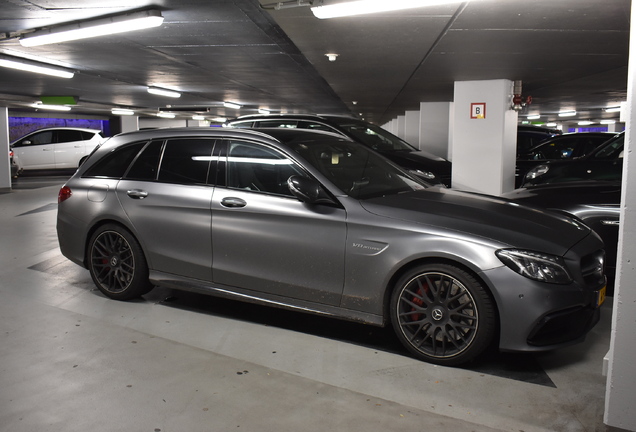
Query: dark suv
<point x="425" y="165"/>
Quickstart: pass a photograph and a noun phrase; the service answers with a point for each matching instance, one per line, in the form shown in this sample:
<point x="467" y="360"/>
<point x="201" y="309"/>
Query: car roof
<point x="290" y="116"/>
<point x="281" y="135"/>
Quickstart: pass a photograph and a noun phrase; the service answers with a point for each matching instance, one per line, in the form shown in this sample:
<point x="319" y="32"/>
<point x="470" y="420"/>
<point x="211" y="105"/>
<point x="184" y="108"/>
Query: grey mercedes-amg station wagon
<point x="313" y="222"/>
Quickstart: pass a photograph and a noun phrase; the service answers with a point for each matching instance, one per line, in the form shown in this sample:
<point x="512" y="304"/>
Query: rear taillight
<point x="64" y="194"/>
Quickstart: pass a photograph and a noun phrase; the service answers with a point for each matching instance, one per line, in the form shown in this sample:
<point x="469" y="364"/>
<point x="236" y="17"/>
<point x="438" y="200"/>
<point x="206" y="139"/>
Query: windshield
<point x="613" y="149"/>
<point x="372" y="135"/>
<point x="356" y="170"/>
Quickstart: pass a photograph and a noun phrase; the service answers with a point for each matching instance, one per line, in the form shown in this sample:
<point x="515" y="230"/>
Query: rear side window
<point x="186" y="161"/>
<point x="114" y="164"/>
<point x="146" y="165"/>
<point x="88" y="135"/>
<point x="69" y="136"/>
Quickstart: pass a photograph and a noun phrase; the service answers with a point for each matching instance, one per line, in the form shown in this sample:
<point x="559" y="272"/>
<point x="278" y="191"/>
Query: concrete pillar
<point x="5" y="167"/>
<point x="412" y="128"/>
<point x="435" y="127"/>
<point x="621" y="380"/>
<point x="484" y="137"/>
<point x="129" y="123"/>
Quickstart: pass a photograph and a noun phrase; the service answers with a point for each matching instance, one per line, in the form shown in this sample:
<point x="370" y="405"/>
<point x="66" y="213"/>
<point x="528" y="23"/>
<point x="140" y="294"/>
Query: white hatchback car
<point x="55" y="148"/>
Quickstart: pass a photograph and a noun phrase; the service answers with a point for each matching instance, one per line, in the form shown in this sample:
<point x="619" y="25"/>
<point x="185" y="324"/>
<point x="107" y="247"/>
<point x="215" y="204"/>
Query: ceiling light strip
<point x="163" y="92"/>
<point x="88" y="29"/>
<point x="363" y="7"/>
<point x="27" y="67"/>
<point x="51" y="107"/>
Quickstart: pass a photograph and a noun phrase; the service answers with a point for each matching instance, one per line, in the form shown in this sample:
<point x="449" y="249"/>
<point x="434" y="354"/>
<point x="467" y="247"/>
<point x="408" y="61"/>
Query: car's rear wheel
<point x="117" y="263"/>
<point x="442" y="314"/>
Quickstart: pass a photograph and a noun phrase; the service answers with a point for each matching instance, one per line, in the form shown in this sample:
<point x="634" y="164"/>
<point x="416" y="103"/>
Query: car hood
<point x="498" y="220"/>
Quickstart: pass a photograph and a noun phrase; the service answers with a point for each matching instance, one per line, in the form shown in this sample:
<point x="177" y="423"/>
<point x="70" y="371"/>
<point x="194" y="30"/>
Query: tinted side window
<point x="146" y="165"/>
<point x="68" y="136"/>
<point x="257" y="168"/>
<point x="276" y="123"/>
<point x="243" y="125"/>
<point x="613" y="150"/>
<point x="316" y="126"/>
<point x="88" y="135"/>
<point x="39" y="138"/>
<point x="186" y="161"/>
<point x="114" y="164"/>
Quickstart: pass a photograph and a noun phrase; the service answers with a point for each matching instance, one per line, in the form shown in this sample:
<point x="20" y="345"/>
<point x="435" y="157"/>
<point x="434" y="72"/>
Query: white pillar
<point x="435" y="121"/>
<point x="401" y="128"/>
<point x="484" y="137"/>
<point x="5" y="167"/>
<point x="129" y="123"/>
<point x="621" y="380"/>
<point x="412" y="127"/>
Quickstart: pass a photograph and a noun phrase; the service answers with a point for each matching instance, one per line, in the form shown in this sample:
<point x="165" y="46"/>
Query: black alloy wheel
<point x="442" y="314"/>
<point x="117" y="263"/>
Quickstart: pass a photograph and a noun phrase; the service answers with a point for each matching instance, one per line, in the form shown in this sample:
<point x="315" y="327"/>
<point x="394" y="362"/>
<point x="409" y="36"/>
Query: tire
<point x="117" y="264"/>
<point x="442" y="314"/>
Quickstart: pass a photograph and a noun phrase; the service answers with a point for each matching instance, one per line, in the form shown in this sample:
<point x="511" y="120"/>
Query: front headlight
<point x="534" y="265"/>
<point x="537" y="171"/>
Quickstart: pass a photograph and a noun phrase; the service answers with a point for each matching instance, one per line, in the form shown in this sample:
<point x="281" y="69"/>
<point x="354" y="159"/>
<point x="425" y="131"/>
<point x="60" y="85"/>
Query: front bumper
<point x="536" y="316"/>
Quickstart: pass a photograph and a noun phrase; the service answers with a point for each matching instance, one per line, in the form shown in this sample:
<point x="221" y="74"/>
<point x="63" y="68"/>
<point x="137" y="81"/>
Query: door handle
<point x="233" y="202"/>
<point x="137" y="193"/>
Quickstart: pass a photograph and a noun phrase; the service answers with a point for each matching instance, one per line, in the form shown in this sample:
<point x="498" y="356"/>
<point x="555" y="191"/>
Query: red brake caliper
<point x="419" y="301"/>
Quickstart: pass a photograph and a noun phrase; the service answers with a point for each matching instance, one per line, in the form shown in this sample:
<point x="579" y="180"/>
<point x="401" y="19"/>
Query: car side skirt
<point x="204" y="287"/>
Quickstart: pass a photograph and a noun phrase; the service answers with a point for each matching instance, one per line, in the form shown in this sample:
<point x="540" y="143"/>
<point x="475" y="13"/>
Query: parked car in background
<point x="558" y="147"/>
<point x="12" y="165"/>
<point x="54" y="148"/>
<point x="432" y="168"/>
<point x="317" y="223"/>
<point x="597" y="203"/>
<point x="603" y="164"/>
<point x="529" y="136"/>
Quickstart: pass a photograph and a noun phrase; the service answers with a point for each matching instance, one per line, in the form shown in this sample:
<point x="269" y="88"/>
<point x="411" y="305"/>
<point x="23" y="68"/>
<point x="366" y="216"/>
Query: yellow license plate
<point x="600" y="296"/>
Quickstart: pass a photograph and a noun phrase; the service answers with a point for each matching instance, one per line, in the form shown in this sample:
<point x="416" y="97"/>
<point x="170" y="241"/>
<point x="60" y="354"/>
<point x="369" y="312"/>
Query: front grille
<point x="593" y="268"/>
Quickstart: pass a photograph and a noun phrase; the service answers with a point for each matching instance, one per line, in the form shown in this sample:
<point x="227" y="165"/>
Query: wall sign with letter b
<point x="477" y="110"/>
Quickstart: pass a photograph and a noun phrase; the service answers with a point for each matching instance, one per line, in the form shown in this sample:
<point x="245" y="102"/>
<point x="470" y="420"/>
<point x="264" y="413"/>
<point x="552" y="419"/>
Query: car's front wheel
<point x="117" y="263"/>
<point x="442" y="314"/>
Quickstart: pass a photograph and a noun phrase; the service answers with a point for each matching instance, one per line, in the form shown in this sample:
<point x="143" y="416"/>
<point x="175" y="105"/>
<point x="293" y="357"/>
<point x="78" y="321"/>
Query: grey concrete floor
<point x="72" y="360"/>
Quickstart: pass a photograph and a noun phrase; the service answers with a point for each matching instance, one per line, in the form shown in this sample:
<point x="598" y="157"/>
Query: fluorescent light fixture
<point x="585" y="123"/>
<point x="163" y="92"/>
<point x="92" y="28"/>
<point x="166" y="115"/>
<point x="363" y="7"/>
<point x="613" y="109"/>
<point x="51" y="107"/>
<point x="534" y="117"/>
<point x="219" y="119"/>
<point x="551" y="125"/>
<point x="198" y="117"/>
<point x="567" y="113"/>
<point x="263" y="111"/>
<point x="608" y="122"/>
<point x="122" y="111"/>
<point x="231" y="105"/>
<point x="29" y="67"/>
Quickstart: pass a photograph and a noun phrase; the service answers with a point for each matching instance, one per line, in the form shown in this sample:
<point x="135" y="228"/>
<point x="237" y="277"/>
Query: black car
<point x="603" y="164"/>
<point x="595" y="203"/>
<point x="433" y="169"/>
<point x="558" y="147"/>
<point x="529" y="136"/>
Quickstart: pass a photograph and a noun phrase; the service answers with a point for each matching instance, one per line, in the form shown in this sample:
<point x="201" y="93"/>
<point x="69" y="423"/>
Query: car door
<point x="266" y="240"/>
<point x="70" y="147"/>
<point x="36" y="151"/>
<point x="168" y="205"/>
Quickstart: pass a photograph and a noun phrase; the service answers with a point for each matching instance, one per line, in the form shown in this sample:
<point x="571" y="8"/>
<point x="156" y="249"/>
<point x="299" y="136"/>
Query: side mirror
<point x="305" y="189"/>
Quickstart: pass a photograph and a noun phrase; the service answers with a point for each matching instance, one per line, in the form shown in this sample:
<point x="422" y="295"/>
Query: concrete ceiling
<point x="569" y="54"/>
